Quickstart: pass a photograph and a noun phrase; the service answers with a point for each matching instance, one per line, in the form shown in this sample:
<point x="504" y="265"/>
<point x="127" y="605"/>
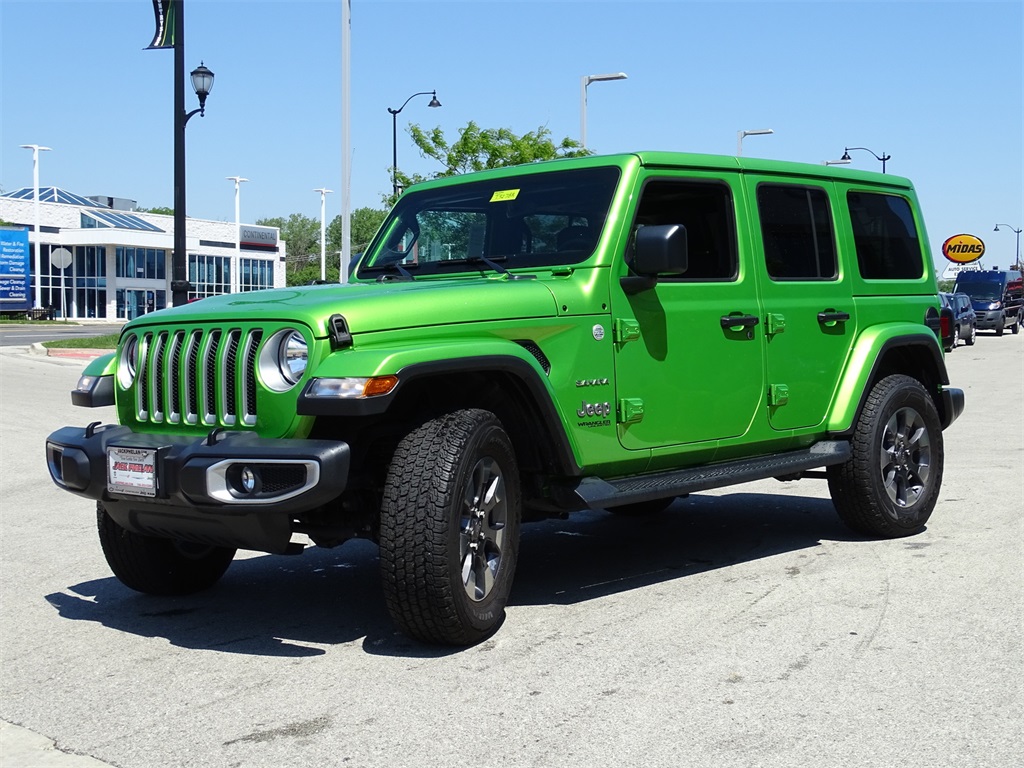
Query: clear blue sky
<point x="937" y="85"/>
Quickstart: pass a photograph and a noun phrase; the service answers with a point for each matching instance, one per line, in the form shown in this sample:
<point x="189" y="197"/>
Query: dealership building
<point x="97" y="257"/>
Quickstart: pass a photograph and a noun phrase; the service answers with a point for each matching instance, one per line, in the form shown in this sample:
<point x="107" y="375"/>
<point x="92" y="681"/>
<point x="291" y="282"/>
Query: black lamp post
<point x="202" y="84"/>
<point x="394" y="134"/>
<point x="1016" y="264"/>
<point x="882" y="159"/>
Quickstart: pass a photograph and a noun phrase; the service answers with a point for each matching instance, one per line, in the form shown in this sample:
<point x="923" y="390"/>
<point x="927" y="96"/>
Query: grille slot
<point x="198" y="377"/>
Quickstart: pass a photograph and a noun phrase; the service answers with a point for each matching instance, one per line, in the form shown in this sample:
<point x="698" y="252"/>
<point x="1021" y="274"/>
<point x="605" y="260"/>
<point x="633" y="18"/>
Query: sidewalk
<point x="22" y="748"/>
<point x="82" y="354"/>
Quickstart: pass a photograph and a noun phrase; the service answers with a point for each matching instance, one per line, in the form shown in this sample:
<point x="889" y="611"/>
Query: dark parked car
<point x="962" y="323"/>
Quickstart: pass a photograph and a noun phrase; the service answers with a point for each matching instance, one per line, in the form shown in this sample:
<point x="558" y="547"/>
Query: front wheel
<point x="890" y="484"/>
<point x="1000" y="326"/>
<point x="159" y="566"/>
<point x="449" y="528"/>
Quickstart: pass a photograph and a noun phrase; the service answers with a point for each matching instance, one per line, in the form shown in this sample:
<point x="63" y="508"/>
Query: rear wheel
<point x="889" y="486"/>
<point x="1016" y="326"/>
<point x="972" y="337"/>
<point x="449" y="529"/>
<point x="159" y="566"/>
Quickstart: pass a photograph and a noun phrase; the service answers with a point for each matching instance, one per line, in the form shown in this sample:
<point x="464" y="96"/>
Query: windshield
<point x="980" y="291"/>
<point x="543" y="219"/>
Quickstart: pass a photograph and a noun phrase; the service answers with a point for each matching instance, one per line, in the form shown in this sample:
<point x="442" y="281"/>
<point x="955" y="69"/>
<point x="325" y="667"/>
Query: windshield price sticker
<point x="504" y="195"/>
<point x="131" y="470"/>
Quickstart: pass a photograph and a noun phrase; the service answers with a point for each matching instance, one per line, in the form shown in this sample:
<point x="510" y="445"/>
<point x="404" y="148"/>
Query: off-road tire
<point x="1015" y="328"/>
<point x="158" y="566"/>
<point x="889" y="486"/>
<point x="453" y="483"/>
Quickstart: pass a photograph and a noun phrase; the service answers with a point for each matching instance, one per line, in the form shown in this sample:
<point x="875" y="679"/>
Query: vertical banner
<point x="14" y="270"/>
<point x="164" y="11"/>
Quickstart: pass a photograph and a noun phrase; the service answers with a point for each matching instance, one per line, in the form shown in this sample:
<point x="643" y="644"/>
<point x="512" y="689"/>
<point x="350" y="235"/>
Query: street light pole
<point x="1017" y="231"/>
<point x="323" y="232"/>
<point x="394" y="134"/>
<point x="202" y="83"/>
<point x="236" y="263"/>
<point x="36" y="149"/>
<point x="740" y="135"/>
<point x="882" y="159"/>
<point x="584" y="82"/>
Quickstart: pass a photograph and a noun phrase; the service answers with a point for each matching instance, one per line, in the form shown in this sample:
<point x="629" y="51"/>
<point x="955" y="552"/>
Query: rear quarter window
<point x="885" y="237"/>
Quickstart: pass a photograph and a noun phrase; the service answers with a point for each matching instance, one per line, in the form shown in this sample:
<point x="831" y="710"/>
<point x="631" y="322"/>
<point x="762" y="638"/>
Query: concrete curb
<point x="82" y="354"/>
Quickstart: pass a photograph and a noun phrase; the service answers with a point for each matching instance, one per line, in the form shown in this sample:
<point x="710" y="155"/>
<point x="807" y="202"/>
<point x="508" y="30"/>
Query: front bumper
<point x="989" y="321"/>
<point x="229" y="488"/>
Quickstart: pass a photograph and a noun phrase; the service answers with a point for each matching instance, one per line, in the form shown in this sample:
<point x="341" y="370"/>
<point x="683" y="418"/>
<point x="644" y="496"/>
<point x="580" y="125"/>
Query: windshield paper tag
<point x="504" y="195"/>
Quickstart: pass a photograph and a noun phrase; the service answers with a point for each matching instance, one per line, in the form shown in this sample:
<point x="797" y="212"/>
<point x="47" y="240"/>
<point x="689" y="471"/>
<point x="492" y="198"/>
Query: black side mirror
<point x="660" y="249"/>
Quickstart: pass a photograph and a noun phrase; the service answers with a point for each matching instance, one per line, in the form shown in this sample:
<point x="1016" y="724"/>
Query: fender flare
<point x="863" y="368"/>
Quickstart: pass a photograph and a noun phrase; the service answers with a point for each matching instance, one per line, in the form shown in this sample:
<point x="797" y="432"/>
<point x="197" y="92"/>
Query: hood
<point x="374" y="306"/>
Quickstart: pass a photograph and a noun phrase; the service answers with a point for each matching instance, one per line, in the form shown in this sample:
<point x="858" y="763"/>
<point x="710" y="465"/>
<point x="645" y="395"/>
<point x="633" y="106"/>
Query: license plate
<point x="131" y="470"/>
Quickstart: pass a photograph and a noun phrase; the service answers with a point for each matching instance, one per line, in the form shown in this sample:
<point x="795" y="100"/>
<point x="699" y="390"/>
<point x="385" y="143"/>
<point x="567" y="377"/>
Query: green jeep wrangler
<point x="605" y="332"/>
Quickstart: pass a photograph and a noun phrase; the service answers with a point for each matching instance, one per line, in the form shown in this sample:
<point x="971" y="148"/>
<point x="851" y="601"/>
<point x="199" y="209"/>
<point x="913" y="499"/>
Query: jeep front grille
<point x="200" y="377"/>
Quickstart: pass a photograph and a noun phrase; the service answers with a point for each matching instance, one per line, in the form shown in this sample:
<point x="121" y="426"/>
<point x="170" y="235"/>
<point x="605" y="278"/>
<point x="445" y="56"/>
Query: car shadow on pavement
<point x="269" y="605"/>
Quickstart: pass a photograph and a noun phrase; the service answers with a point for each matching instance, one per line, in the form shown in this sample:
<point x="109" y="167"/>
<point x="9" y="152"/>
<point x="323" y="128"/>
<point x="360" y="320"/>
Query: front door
<point x="684" y="374"/>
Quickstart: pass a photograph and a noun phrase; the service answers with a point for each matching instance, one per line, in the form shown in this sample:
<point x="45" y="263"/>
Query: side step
<point x="597" y="493"/>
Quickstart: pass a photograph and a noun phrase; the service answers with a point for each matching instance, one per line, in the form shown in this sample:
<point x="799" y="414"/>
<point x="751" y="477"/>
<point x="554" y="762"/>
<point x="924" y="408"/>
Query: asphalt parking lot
<point x="745" y="627"/>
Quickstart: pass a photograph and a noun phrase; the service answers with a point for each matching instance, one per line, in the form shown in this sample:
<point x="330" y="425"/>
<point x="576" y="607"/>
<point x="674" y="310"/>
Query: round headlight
<point x="129" y="361"/>
<point x="293" y="356"/>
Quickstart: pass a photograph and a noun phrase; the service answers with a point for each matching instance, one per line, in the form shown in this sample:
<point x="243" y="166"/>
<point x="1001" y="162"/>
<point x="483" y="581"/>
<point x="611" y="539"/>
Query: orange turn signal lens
<point x="380" y="385"/>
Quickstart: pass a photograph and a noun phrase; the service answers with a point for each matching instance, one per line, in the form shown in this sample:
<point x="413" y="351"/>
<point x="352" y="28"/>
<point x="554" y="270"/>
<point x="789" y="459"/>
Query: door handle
<point x="831" y="316"/>
<point x="741" y="321"/>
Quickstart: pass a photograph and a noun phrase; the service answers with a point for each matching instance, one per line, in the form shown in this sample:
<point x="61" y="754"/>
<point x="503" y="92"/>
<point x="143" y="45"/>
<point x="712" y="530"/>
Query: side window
<point x="885" y="237"/>
<point x="796" y="229"/>
<point x="706" y="210"/>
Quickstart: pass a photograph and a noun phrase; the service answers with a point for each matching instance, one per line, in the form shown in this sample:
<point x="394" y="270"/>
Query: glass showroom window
<point x="90" y="281"/>
<point x="209" y="275"/>
<point x="141" y="263"/>
<point x="256" y="274"/>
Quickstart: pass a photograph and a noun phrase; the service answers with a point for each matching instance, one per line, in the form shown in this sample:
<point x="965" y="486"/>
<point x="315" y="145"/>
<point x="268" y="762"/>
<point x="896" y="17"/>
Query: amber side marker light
<point x="380" y="385"/>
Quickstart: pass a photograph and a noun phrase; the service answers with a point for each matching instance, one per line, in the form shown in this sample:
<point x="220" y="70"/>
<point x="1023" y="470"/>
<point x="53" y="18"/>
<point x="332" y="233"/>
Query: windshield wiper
<point x="403" y="273"/>
<point x="493" y="264"/>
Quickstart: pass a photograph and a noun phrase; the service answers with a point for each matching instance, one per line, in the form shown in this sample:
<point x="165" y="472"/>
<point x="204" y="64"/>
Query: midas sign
<point x="963" y="249"/>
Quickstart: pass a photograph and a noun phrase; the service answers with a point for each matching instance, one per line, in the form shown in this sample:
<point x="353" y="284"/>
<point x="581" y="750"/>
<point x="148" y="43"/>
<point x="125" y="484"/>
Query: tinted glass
<point x="705" y="209"/>
<point x="796" y="228"/>
<point x="885" y="237"/>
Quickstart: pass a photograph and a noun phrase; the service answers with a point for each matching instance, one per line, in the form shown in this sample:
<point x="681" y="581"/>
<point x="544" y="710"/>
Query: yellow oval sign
<point x="963" y="249"/>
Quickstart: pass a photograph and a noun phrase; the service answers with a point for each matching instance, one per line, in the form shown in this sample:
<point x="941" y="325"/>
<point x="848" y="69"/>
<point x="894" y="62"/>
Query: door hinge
<point x="778" y="394"/>
<point x="626" y="330"/>
<point x="774" y="323"/>
<point x="631" y="410"/>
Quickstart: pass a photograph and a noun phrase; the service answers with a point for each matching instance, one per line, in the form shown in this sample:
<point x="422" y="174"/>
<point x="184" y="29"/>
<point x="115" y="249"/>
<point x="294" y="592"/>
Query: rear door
<point x="809" y="315"/>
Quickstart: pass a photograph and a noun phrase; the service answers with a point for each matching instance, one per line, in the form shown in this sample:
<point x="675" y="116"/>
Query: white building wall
<point x="67" y="218"/>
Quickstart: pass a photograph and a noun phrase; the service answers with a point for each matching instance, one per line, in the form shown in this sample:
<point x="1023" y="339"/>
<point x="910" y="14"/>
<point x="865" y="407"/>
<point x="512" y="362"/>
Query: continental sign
<point x="963" y="249"/>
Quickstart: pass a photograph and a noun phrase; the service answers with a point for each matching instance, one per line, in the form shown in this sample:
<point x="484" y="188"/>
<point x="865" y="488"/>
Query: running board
<point x="597" y="493"/>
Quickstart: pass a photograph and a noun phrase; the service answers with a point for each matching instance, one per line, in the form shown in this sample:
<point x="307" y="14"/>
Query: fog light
<point x="248" y="480"/>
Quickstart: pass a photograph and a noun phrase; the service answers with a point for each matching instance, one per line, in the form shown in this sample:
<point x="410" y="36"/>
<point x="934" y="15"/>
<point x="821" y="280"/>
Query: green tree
<point x="302" y="235"/>
<point x="479" y="149"/>
<point x="364" y="225"/>
<point x="164" y="210"/>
